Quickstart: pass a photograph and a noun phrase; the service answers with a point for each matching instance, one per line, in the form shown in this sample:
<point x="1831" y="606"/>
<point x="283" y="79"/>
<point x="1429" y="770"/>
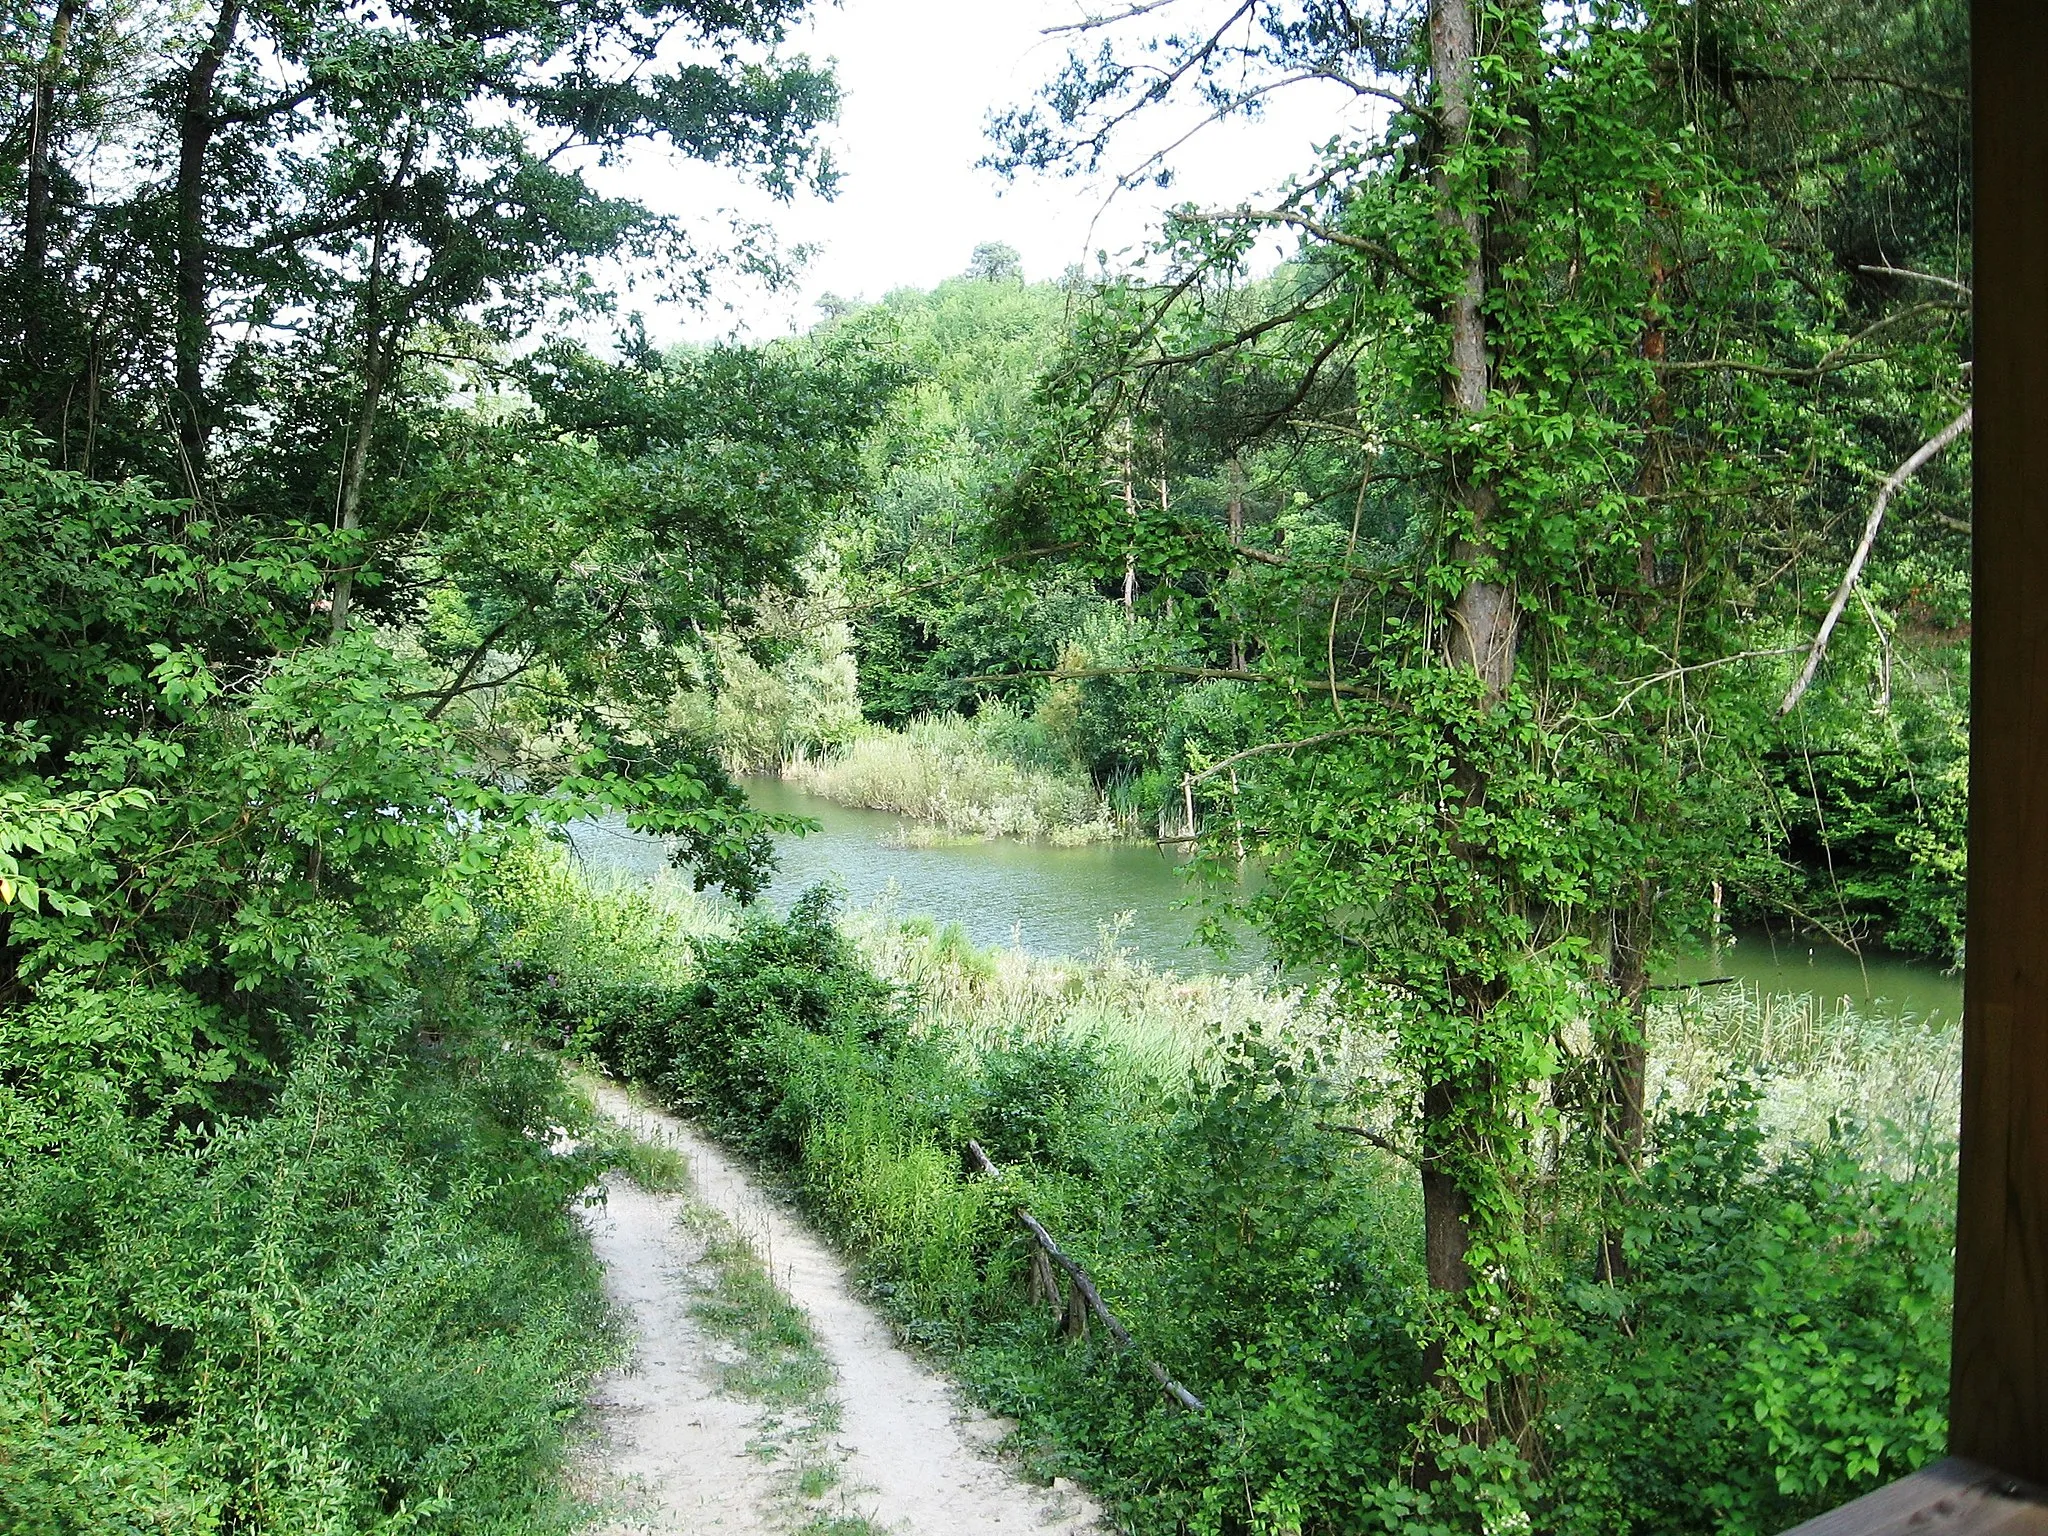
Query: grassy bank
<point x="995" y="775"/>
<point x="1778" y="1343"/>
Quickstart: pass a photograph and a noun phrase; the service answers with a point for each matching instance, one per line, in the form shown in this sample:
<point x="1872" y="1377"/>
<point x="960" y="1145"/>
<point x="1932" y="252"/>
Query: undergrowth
<point x="1775" y="1344"/>
<point x="364" y="1308"/>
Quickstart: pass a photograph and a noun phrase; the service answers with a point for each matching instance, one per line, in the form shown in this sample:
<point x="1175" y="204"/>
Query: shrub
<point x="365" y="1309"/>
<point x="1780" y="1344"/>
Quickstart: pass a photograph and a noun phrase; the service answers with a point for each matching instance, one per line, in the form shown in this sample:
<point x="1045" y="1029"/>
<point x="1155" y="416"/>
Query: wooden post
<point x="1999" y="1388"/>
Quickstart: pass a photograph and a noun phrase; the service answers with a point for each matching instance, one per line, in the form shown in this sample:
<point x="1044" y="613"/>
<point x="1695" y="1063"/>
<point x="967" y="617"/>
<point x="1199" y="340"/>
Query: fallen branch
<point x="1093" y="1297"/>
<point x="1891" y="487"/>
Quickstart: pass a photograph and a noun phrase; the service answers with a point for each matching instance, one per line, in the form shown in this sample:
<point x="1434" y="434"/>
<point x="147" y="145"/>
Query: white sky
<point x="919" y="79"/>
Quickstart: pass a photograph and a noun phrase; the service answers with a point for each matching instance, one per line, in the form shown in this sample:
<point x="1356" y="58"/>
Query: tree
<point x="386" y="577"/>
<point x="994" y="262"/>
<point x="1500" y="726"/>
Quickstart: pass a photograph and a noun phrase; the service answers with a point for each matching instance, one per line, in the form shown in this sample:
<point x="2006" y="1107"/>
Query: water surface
<point x="1000" y="891"/>
<point x="1059" y="901"/>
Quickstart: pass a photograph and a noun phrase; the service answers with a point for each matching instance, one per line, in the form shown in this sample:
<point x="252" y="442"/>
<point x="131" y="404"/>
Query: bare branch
<point x="1097" y="23"/>
<point x="1843" y="356"/>
<point x="1698" y="666"/>
<point x="1897" y="479"/>
<point x="1281" y="746"/>
<point x="1919" y="277"/>
<point x="1371" y="1138"/>
<point x="1302" y="222"/>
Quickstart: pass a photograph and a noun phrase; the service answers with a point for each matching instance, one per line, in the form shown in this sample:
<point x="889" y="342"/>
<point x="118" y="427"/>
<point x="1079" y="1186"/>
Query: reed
<point x="992" y="776"/>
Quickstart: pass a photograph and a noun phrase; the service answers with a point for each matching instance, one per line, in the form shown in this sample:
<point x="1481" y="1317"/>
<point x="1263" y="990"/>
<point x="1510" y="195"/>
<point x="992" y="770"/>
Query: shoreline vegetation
<point x="951" y="777"/>
<point x="1225" y="1158"/>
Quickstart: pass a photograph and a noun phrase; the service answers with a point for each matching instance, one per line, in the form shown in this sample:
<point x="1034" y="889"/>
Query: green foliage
<point x="365" y="1309"/>
<point x="718" y="1045"/>
<point x="1875" y="810"/>
<point x="1777" y="1344"/>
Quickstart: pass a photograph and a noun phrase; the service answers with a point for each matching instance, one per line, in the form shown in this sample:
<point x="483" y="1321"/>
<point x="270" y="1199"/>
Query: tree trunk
<point x="1233" y="469"/>
<point x="1485" y="618"/>
<point x="355" y="466"/>
<point x="382" y="336"/>
<point x="1131" y="512"/>
<point x="35" y="228"/>
<point x="194" y="321"/>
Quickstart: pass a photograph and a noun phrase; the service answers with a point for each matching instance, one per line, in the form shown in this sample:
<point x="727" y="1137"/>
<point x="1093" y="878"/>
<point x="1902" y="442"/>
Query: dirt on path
<point x="672" y="1451"/>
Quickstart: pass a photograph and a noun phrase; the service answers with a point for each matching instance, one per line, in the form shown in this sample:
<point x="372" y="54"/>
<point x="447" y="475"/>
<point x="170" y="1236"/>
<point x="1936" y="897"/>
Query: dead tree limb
<point x="1891" y="487"/>
<point x="1085" y="1289"/>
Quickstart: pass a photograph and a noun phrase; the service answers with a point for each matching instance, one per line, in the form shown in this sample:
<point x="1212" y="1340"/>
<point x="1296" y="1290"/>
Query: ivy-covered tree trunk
<point x="1483" y="628"/>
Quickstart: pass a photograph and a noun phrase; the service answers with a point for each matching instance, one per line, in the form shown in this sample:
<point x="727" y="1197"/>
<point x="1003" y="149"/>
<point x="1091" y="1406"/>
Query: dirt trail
<point x="915" y="1460"/>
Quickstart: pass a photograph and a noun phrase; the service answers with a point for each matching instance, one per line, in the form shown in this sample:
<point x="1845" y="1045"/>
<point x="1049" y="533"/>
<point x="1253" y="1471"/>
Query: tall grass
<point x="1818" y="1061"/>
<point x="1167" y="1023"/>
<point x="1819" y="1064"/>
<point x="996" y="775"/>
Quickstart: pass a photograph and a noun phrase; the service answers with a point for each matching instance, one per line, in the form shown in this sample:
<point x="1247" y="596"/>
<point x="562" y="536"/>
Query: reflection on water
<point x="1873" y="984"/>
<point x="1056" y="901"/>
<point x="1051" y="901"/>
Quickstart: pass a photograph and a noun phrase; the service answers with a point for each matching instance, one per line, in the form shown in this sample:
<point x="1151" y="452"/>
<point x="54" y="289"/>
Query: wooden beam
<point x="1950" y="1498"/>
<point x="1998" y="1411"/>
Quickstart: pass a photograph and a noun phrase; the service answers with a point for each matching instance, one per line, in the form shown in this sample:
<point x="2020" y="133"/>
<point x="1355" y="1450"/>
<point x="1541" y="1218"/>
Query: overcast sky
<point x="919" y="79"/>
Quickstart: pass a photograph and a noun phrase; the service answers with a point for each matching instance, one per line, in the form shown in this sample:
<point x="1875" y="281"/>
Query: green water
<point x="1049" y="901"/>
<point x="1060" y="901"/>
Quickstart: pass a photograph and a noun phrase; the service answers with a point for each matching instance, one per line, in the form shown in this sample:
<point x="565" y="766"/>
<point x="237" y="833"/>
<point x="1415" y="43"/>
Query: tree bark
<point x="1485" y="617"/>
<point x="193" y="321"/>
<point x="35" y="232"/>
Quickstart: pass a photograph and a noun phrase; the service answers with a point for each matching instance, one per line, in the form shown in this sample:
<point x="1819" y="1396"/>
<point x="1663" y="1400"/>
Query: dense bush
<point x="364" y="1309"/>
<point x="1782" y="1340"/>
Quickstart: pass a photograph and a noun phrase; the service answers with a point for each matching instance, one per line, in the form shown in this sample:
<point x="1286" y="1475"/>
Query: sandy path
<point x="670" y="1452"/>
<point x="916" y="1457"/>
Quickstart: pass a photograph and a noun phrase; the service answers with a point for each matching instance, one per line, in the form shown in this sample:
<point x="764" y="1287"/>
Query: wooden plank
<point x="1950" y="1498"/>
<point x="1999" y="1390"/>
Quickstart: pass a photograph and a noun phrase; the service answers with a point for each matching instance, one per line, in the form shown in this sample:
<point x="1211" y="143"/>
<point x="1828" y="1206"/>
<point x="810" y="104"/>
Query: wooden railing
<point x="1951" y="1498"/>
